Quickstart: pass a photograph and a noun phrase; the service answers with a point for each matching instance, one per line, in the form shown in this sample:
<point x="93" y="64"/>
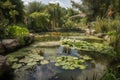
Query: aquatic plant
<point x="32" y="58"/>
<point x="71" y="62"/>
<point x="87" y="46"/>
<point x="111" y="75"/>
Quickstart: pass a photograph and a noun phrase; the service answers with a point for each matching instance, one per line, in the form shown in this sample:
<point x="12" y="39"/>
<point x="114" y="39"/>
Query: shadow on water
<point x="51" y="72"/>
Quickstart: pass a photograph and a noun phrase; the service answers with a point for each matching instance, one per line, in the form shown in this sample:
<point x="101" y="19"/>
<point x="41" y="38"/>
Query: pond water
<point x="94" y="71"/>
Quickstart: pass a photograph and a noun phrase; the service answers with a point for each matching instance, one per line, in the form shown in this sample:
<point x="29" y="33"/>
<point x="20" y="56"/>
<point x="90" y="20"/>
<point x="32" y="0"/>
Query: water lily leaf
<point x="82" y="67"/>
<point x="71" y="68"/>
<point x="56" y="64"/>
<point x="16" y="66"/>
<point x="22" y="60"/>
<point x="32" y="63"/>
<point x="86" y="57"/>
<point x="81" y="61"/>
<point x="12" y="59"/>
<point x="70" y="62"/>
<point x="75" y="58"/>
<point x="44" y="62"/>
<point x="65" y="67"/>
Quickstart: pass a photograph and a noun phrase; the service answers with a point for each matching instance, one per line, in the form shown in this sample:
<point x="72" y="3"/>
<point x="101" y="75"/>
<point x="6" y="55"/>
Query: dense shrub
<point x="39" y="21"/>
<point x="17" y="32"/>
<point x="69" y="24"/>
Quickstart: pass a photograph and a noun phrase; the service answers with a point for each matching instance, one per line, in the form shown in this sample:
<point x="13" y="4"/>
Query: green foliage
<point x="32" y="58"/>
<point x="35" y="7"/>
<point x="71" y="63"/>
<point x="86" y="46"/>
<point x="40" y="21"/>
<point x="16" y="31"/>
<point x="69" y="24"/>
<point x="105" y="25"/>
<point x="94" y="8"/>
<point x="12" y="9"/>
<point x="115" y="40"/>
<point x="111" y="75"/>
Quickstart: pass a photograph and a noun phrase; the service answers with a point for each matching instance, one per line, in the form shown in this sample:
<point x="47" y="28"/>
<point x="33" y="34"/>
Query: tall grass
<point x="112" y="27"/>
<point x="106" y="24"/>
<point x="111" y="75"/>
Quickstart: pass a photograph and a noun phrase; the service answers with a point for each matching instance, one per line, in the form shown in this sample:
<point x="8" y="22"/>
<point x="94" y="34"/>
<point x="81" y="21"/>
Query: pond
<point x="94" y="69"/>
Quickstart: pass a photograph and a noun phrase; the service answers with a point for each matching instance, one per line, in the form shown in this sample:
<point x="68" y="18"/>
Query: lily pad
<point x="12" y="59"/>
<point x="56" y="64"/>
<point x="16" y="66"/>
<point x="81" y="60"/>
<point x="32" y="63"/>
<point x="86" y="57"/>
<point x="70" y="62"/>
<point x="44" y="62"/>
<point x="82" y="67"/>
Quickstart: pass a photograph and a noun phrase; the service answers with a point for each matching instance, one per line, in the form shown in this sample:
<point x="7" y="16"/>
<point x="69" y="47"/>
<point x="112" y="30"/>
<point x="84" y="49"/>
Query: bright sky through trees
<point x="63" y="3"/>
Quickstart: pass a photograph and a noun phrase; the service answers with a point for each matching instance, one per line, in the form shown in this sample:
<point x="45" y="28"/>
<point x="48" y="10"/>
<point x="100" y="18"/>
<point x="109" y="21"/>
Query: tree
<point x="94" y="8"/>
<point x="35" y="7"/>
<point x="56" y="14"/>
<point x="40" y="21"/>
<point x="12" y="6"/>
<point x="11" y="11"/>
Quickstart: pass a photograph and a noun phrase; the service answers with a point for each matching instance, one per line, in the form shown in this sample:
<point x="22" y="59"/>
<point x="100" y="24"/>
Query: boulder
<point x="1" y="48"/>
<point x="93" y="31"/>
<point x="10" y="44"/>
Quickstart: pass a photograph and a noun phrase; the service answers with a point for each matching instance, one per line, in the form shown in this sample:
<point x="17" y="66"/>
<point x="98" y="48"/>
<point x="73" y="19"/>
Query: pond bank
<point x="9" y="45"/>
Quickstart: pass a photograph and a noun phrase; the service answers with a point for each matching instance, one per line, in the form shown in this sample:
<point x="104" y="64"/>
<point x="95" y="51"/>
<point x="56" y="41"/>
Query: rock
<point x="88" y="32"/>
<point x="1" y="48"/>
<point x="93" y="31"/>
<point x="101" y="35"/>
<point x="10" y="44"/>
<point x="107" y="38"/>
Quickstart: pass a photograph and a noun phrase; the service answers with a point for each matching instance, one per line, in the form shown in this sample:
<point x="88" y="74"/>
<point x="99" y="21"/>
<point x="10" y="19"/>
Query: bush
<point x="39" y="21"/>
<point x="17" y="32"/>
<point x="69" y="24"/>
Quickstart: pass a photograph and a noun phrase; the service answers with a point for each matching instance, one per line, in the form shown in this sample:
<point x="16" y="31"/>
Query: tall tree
<point x="55" y="15"/>
<point x="94" y="8"/>
<point x="35" y="7"/>
<point x="9" y="6"/>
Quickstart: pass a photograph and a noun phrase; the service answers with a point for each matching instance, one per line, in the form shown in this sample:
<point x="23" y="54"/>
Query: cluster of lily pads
<point x="71" y="62"/>
<point x="87" y="46"/>
<point x="29" y="60"/>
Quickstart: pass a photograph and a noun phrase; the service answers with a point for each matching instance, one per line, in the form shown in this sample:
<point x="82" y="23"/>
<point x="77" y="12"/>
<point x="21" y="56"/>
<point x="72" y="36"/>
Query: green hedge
<point x="17" y="32"/>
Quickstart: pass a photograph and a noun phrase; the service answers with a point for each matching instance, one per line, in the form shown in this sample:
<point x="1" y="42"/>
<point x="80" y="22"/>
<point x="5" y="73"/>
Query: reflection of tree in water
<point x="43" y="72"/>
<point x="66" y="50"/>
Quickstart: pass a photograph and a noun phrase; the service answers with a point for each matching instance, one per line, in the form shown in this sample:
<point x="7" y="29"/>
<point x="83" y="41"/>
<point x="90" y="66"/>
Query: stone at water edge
<point x="10" y="44"/>
<point x="4" y="66"/>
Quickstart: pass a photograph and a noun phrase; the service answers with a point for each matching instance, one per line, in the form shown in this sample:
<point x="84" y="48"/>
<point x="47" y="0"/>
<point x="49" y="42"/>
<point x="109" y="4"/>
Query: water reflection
<point x="51" y="72"/>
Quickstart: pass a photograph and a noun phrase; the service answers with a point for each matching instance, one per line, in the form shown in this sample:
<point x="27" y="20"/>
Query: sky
<point x="63" y="3"/>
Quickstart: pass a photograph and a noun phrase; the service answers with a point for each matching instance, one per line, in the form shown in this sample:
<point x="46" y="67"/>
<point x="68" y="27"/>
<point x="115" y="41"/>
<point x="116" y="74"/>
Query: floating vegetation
<point x="71" y="62"/>
<point x="87" y="46"/>
<point x="44" y="62"/>
<point x="32" y="58"/>
<point x="16" y="66"/>
<point x="86" y="57"/>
